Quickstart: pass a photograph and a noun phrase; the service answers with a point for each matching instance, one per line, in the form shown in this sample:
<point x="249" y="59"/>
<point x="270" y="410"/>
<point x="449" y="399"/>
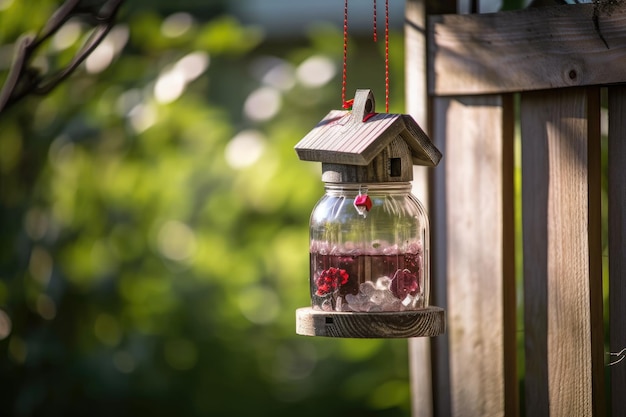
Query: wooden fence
<point x="471" y="79"/>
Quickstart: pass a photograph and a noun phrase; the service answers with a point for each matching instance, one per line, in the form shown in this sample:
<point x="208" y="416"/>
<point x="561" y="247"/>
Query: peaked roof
<point x="356" y="137"/>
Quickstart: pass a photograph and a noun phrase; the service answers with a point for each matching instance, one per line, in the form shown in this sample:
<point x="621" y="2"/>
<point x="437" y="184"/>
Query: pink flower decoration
<point x="403" y="283"/>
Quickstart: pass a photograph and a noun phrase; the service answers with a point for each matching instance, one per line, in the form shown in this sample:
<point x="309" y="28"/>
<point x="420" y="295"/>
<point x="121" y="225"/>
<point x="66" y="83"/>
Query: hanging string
<point x="386" y="56"/>
<point x="347" y="104"/>
<point x="621" y="355"/>
<point x="344" y="75"/>
<point x="375" y="26"/>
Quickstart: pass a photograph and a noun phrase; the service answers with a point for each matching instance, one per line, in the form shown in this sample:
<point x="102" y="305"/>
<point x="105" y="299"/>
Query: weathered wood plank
<point x="560" y="232"/>
<point x="617" y="244"/>
<point x="469" y="194"/>
<point x="532" y="49"/>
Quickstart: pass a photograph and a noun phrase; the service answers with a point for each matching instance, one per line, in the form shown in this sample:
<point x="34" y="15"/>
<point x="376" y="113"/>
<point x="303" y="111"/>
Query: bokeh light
<point x="5" y="325"/>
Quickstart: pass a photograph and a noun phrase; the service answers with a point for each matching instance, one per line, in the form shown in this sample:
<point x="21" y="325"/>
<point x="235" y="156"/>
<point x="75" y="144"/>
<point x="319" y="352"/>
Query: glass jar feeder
<point x="368" y="260"/>
<point x="369" y="236"/>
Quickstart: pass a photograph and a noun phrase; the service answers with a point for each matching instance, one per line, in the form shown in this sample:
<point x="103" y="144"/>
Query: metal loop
<point x="621" y="354"/>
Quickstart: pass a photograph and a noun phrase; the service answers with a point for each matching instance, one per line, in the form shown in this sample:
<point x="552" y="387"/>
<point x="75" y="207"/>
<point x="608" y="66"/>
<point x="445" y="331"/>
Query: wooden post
<point x="417" y="106"/>
<point x="430" y="391"/>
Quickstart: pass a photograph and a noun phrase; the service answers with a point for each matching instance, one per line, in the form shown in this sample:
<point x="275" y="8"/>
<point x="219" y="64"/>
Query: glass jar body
<point x="369" y="260"/>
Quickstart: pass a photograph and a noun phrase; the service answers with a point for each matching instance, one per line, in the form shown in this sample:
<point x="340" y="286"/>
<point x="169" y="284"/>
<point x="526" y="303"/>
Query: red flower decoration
<point x="331" y="279"/>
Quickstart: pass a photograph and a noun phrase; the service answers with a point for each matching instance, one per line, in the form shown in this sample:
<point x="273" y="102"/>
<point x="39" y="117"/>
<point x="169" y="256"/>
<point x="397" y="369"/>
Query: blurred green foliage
<point x="154" y="223"/>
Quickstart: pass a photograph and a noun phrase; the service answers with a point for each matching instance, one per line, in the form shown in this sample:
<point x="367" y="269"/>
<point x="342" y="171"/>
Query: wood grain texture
<point x="525" y="50"/>
<point x="617" y="244"/>
<point x="427" y="322"/>
<point x="470" y="198"/>
<point x="558" y="218"/>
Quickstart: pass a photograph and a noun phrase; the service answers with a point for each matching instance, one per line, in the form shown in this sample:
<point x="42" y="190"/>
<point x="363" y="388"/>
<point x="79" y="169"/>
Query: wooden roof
<point x="356" y="137"/>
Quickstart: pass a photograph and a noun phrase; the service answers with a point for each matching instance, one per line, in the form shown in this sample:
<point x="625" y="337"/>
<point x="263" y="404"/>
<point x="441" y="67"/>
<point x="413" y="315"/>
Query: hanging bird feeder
<point x="369" y="236"/>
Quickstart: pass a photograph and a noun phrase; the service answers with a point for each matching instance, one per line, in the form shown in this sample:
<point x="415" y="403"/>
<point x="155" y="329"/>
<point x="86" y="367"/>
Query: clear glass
<point x="374" y="260"/>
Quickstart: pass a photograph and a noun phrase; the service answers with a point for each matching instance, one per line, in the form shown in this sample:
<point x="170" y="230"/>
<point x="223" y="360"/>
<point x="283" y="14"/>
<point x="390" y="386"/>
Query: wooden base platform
<point x="427" y="322"/>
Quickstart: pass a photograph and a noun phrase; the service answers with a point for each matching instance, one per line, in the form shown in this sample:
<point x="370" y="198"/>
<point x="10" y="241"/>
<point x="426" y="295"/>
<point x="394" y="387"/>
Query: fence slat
<point x="468" y="234"/>
<point x="560" y="222"/>
<point x="532" y="49"/>
<point x="617" y="244"/>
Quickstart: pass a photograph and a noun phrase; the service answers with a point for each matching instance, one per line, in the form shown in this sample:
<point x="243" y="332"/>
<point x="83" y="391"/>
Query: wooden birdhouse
<point x="369" y="236"/>
<point x="362" y="146"/>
